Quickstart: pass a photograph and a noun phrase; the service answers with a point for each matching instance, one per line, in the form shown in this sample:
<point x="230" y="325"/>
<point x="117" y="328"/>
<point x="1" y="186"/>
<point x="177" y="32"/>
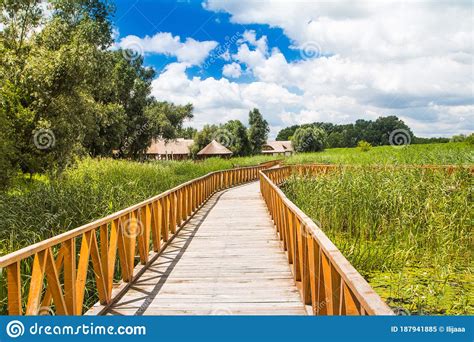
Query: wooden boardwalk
<point x="227" y="260"/>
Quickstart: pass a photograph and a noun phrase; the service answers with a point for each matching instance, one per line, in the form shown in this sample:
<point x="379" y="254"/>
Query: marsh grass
<point x="35" y="210"/>
<point x="408" y="232"/>
<point x="439" y="154"/>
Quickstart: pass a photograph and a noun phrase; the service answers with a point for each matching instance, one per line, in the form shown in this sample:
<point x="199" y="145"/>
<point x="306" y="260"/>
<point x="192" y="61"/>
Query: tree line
<point x="65" y="92"/>
<point x="318" y="135"/>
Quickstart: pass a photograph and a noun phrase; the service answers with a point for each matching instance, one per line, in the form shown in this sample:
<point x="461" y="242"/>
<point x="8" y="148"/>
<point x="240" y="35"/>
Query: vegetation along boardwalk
<point x="219" y="244"/>
<point x="226" y="260"/>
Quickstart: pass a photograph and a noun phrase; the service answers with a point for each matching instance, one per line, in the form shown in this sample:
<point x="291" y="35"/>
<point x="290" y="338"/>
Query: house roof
<point x="177" y="146"/>
<point x="214" y="148"/>
<point x="277" y="147"/>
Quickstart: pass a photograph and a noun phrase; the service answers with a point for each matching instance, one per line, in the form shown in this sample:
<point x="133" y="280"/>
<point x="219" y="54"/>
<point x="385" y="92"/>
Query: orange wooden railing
<point x="324" y="277"/>
<point x="60" y="266"/>
<point x="326" y="280"/>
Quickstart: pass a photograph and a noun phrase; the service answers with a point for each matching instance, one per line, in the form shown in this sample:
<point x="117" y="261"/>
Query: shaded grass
<point x="408" y="232"/>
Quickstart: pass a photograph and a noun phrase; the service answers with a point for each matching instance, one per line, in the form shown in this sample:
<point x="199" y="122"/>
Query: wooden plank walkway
<point x="227" y="260"/>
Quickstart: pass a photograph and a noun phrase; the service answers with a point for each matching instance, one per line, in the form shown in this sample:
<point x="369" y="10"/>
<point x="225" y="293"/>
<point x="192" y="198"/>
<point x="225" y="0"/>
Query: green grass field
<point x="407" y="232"/>
<point x="440" y="154"/>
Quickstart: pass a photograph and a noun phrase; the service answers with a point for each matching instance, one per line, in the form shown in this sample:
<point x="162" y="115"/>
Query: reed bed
<point x="408" y="232"/>
<point x="35" y="210"/>
<point x="439" y="154"/>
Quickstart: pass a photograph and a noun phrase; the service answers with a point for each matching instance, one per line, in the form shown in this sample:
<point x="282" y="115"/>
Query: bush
<point x="364" y="146"/>
<point x="470" y="139"/>
<point x="310" y="139"/>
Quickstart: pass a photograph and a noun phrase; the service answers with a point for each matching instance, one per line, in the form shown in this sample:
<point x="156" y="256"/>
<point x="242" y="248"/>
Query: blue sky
<point x="309" y="61"/>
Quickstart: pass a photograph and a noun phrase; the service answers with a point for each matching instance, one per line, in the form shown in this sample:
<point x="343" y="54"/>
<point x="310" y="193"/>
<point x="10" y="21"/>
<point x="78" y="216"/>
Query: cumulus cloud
<point x="411" y="59"/>
<point x="233" y="70"/>
<point x="190" y="51"/>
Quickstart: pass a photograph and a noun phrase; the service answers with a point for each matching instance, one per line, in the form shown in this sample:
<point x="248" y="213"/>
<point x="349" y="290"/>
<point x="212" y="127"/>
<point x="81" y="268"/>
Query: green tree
<point x="238" y="138"/>
<point x="48" y="76"/>
<point x="258" y="131"/>
<point x="286" y="133"/>
<point x="458" y="138"/>
<point x="203" y="137"/>
<point x="335" y="139"/>
<point x="187" y="132"/>
<point x="309" y="139"/>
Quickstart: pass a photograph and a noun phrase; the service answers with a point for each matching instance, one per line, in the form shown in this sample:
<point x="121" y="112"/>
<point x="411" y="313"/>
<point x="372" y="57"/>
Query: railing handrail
<point x="373" y="304"/>
<point x="290" y="219"/>
<point x="30" y="250"/>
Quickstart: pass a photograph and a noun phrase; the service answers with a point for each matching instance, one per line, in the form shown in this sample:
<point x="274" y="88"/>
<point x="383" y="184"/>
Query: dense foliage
<point x="309" y="139"/>
<point x="258" y="130"/>
<point x="376" y="132"/>
<point x="65" y="92"/>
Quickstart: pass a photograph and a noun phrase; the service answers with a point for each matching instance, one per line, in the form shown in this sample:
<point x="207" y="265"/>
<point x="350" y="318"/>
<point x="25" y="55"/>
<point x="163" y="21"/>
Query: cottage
<point x="278" y="148"/>
<point x="178" y="149"/>
<point x="214" y="149"/>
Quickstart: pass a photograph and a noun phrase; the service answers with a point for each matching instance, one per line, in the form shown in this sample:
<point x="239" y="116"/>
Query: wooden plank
<point x="36" y="283"/>
<point x="231" y="255"/>
<point x="54" y="286"/>
<point x="82" y="267"/>
<point x="14" y="289"/>
<point x="69" y="247"/>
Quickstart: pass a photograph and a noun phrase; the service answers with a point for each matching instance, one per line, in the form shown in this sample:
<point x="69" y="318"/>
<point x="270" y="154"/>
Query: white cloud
<point x="412" y="59"/>
<point x="190" y="51"/>
<point x="233" y="70"/>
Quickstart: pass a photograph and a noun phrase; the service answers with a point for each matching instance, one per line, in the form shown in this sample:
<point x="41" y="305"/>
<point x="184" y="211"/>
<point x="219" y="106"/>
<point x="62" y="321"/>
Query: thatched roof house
<point x="214" y="149"/>
<point x="276" y="148"/>
<point x="177" y="149"/>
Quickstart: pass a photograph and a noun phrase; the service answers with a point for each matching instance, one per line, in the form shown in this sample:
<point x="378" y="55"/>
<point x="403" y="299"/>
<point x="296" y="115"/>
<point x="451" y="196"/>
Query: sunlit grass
<point x="408" y="232"/>
<point x="439" y="154"/>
